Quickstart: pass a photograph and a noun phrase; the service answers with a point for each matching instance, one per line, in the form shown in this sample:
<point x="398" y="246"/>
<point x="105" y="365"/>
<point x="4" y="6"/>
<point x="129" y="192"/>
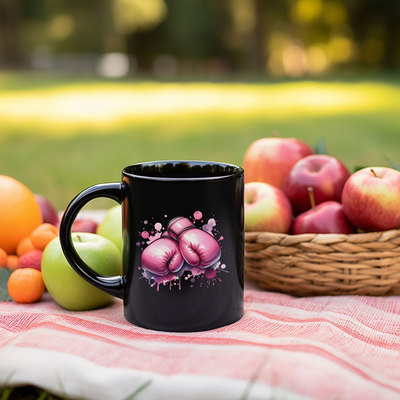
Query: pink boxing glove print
<point x="162" y="256"/>
<point x="198" y="248"/>
<point x="183" y="249"/>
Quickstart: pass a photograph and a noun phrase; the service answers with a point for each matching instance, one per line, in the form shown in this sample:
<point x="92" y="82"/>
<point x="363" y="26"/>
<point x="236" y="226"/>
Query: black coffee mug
<point x="183" y="244"/>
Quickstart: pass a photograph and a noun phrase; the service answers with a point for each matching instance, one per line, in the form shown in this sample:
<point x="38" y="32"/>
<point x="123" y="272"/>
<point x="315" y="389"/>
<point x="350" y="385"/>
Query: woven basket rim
<point x="329" y="237"/>
<point x="317" y="263"/>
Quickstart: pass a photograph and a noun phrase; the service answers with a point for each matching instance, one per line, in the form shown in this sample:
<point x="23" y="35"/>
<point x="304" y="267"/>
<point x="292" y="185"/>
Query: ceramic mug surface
<point x="183" y="241"/>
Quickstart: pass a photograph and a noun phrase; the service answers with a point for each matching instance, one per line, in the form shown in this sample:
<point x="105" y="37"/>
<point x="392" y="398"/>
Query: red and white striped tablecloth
<point x="283" y="348"/>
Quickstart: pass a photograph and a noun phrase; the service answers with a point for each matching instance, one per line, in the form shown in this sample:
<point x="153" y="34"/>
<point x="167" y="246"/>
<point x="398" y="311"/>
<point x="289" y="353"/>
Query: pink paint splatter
<point x="198" y="215"/>
<point x="157" y="226"/>
<point x="209" y="226"/>
<point x="145" y="235"/>
<point x="196" y="271"/>
<point x="210" y="273"/>
<point x="153" y="238"/>
<point x="221" y="238"/>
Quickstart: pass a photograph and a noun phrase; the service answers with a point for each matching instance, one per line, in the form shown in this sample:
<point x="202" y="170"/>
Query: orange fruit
<point x="25" y="246"/>
<point x="19" y="213"/>
<point x="42" y="235"/>
<point x="3" y="258"/>
<point x="12" y="262"/>
<point x="25" y="285"/>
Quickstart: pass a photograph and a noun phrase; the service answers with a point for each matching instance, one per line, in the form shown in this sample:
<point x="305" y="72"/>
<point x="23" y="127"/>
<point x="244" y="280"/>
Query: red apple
<point x="325" y="174"/>
<point x="84" y="225"/>
<point x="371" y="199"/>
<point x="270" y="160"/>
<point x="326" y="217"/>
<point x="49" y="213"/>
<point x="266" y="208"/>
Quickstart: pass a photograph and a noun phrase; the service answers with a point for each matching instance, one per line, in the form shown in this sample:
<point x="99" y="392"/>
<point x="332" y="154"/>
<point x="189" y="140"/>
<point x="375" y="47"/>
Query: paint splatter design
<point x="164" y="263"/>
<point x="209" y="226"/>
<point x="198" y="215"/>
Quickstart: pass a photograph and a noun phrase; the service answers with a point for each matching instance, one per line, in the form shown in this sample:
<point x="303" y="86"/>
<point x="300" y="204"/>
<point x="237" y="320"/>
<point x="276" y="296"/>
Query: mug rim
<point x="234" y="173"/>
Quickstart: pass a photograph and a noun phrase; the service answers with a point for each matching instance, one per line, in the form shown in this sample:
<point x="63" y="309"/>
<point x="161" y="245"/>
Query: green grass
<point x="59" y="153"/>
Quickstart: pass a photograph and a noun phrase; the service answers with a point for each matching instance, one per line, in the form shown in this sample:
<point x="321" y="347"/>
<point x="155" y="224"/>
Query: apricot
<point x="12" y="262"/>
<point x="42" y="235"/>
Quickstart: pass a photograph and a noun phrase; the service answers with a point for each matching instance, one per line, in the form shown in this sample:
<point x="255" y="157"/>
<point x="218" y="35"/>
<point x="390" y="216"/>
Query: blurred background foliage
<point x="87" y="87"/>
<point x="218" y="37"/>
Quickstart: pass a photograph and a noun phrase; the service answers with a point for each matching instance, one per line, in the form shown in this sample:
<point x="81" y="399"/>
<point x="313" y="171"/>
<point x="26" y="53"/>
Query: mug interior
<point x="182" y="170"/>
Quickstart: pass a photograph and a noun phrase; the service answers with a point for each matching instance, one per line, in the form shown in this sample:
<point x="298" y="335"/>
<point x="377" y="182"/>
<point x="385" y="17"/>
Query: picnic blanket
<point x="344" y="347"/>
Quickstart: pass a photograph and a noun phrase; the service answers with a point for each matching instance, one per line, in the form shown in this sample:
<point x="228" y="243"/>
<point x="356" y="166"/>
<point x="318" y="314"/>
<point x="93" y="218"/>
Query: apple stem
<point x="79" y="238"/>
<point x="311" y="196"/>
<point x="275" y="133"/>
<point x="374" y="173"/>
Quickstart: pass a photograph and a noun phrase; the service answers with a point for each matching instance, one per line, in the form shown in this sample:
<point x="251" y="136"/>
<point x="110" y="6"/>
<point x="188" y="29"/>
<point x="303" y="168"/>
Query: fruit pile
<point x="31" y="256"/>
<point x="291" y="190"/>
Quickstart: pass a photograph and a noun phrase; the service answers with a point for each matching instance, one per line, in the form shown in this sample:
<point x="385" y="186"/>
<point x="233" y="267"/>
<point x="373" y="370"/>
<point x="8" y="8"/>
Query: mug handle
<point x="110" y="284"/>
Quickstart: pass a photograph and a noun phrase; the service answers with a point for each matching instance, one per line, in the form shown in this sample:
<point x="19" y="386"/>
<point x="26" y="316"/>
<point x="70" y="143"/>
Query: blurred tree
<point x="135" y="15"/>
<point x="247" y="31"/>
<point x="376" y="28"/>
<point x="10" y="52"/>
<point x="66" y="25"/>
<point x="192" y="30"/>
<point x="257" y="50"/>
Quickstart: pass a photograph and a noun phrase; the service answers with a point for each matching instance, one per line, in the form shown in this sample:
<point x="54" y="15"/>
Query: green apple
<point x="111" y="226"/>
<point x="66" y="287"/>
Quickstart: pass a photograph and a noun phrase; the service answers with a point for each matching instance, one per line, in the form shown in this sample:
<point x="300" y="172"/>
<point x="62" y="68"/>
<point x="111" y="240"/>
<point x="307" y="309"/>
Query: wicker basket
<point x="325" y="264"/>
